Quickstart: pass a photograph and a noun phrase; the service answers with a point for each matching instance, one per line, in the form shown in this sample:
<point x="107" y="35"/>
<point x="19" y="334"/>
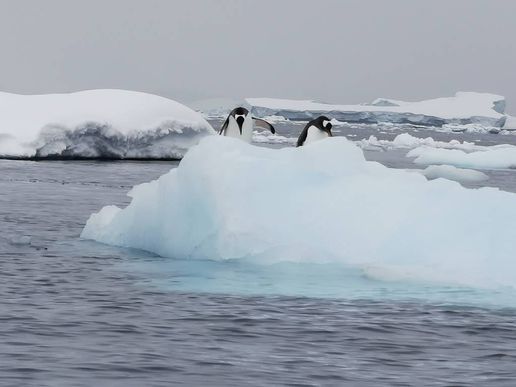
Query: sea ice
<point x="453" y="173"/>
<point x="492" y="157"/>
<point x="319" y="203"/>
<point x="407" y="141"/>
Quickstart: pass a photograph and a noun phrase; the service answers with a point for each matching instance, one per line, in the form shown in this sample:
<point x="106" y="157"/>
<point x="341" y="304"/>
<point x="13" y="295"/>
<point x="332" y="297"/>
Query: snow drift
<point x="319" y="203"/>
<point x="97" y="124"/>
<point x="465" y="108"/>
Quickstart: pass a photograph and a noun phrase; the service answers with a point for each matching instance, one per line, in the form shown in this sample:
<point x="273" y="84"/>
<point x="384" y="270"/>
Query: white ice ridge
<point x="318" y="203"/>
<point x="97" y="124"/>
<point x="465" y="108"/>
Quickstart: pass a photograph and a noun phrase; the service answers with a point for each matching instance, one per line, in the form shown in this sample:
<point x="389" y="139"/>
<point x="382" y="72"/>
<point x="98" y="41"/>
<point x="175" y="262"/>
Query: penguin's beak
<point x="240" y="122"/>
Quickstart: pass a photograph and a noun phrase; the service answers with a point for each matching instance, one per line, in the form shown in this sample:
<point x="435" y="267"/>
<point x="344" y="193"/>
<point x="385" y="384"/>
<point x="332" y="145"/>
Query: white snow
<point x="453" y="173"/>
<point x="463" y="109"/>
<point x="318" y="203"/>
<point x="493" y="157"/>
<point x="97" y="123"/>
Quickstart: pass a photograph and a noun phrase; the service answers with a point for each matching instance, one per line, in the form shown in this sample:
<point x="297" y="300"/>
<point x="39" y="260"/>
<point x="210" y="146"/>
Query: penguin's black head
<point x="239" y="114"/>
<point x="323" y="123"/>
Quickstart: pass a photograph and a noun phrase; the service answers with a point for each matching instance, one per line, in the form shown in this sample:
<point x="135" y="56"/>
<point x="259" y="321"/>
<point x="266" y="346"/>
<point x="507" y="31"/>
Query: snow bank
<point x="493" y="157"/>
<point x="319" y="203"/>
<point x="465" y="108"/>
<point x="453" y="173"/>
<point x="97" y="124"/>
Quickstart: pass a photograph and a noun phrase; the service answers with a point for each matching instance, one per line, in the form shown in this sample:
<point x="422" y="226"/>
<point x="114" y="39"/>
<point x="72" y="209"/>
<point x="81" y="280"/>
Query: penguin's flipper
<point x="224" y="126"/>
<point x="264" y="124"/>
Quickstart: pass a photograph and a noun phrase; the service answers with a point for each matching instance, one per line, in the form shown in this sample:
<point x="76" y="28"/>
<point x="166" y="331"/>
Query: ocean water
<point x="79" y="313"/>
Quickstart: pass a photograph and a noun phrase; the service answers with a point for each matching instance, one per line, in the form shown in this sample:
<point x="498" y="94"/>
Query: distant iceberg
<point x="112" y="124"/>
<point x="510" y="123"/>
<point x="216" y="107"/>
<point x="465" y="108"/>
<point x="319" y="203"/>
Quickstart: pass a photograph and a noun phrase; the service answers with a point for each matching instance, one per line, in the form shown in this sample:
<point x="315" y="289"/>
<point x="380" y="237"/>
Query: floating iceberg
<point x="465" y="108"/>
<point x="510" y="123"/>
<point x="113" y="124"/>
<point x="216" y="107"/>
<point x="453" y="173"/>
<point x="319" y="203"/>
<point x="492" y="157"/>
<point x="407" y="141"/>
<point x="264" y="137"/>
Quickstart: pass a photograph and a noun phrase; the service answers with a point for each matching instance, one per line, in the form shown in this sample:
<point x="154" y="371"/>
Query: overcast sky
<point x="331" y="50"/>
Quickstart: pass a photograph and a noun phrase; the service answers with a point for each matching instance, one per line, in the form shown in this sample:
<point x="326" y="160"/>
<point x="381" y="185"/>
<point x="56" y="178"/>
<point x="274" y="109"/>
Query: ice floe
<point x="319" y="203"/>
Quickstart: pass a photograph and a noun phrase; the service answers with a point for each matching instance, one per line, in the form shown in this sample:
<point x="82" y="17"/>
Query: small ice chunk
<point x="453" y="173"/>
<point x="20" y="240"/>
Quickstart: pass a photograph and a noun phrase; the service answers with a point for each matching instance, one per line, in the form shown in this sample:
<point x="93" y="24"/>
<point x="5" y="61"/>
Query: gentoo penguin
<point x="316" y="129"/>
<point x="239" y="124"/>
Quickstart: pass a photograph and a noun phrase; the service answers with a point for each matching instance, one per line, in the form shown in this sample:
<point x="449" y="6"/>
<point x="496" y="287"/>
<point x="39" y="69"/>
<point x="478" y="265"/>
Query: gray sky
<point x="331" y="50"/>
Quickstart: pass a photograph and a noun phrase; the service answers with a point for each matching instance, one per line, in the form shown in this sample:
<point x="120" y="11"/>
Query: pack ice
<point x="319" y="203"/>
<point x="97" y="124"/>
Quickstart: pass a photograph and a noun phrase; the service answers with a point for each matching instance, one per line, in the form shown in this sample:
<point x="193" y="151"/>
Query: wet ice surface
<point x="81" y="313"/>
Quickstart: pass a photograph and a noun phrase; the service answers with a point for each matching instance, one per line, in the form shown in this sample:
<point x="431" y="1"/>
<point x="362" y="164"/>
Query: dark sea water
<point x="79" y="313"/>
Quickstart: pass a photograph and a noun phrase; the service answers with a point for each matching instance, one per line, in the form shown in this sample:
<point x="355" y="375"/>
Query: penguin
<point x="317" y="129"/>
<point x="239" y="124"/>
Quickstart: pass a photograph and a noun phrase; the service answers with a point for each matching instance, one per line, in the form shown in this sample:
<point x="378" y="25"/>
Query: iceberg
<point x="510" y="123"/>
<point x="407" y="141"/>
<point x="113" y="124"/>
<point x="213" y="108"/>
<point x="320" y="203"/>
<point x="465" y="108"/>
<point x="493" y="157"/>
<point x="453" y="173"/>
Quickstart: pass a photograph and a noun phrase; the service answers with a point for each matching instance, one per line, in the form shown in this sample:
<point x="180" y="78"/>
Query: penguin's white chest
<point x="315" y="134"/>
<point x="247" y="129"/>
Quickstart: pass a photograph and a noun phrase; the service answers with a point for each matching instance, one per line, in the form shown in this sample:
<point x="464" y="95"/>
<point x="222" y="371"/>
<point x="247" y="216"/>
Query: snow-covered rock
<point x="465" y="108"/>
<point x="321" y="202"/>
<point x="453" y="173"/>
<point x="97" y="124"/>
